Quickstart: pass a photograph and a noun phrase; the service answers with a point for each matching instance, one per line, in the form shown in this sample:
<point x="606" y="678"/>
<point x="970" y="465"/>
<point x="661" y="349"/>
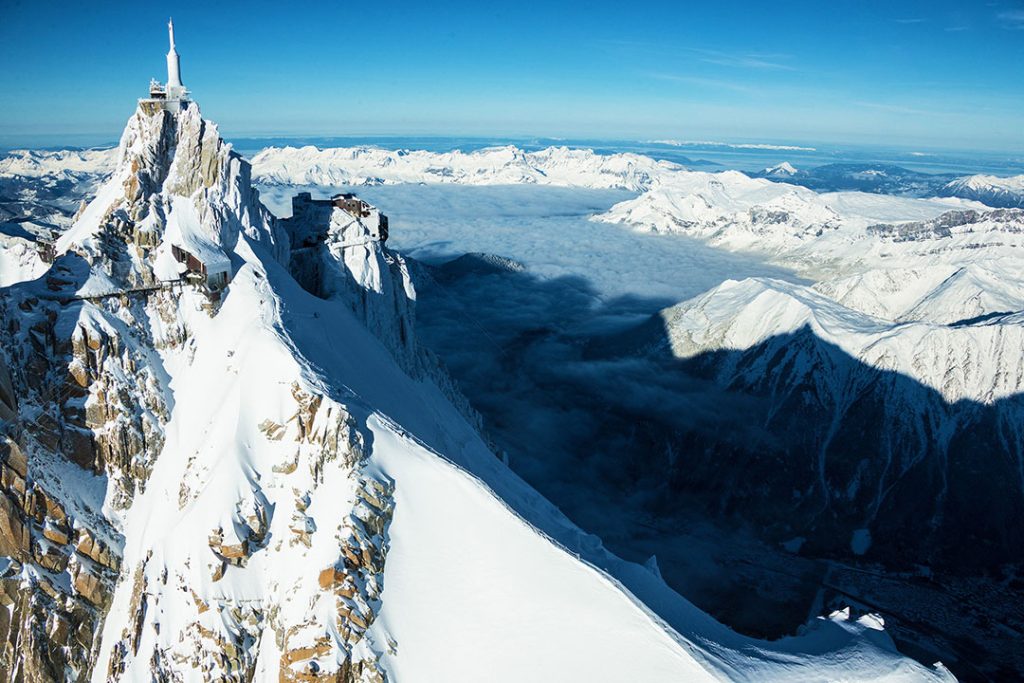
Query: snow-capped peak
<point x="783" y="170"/>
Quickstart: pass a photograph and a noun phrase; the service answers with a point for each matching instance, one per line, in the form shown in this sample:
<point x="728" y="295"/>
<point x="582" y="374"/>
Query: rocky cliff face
<point x="89" y="367"/>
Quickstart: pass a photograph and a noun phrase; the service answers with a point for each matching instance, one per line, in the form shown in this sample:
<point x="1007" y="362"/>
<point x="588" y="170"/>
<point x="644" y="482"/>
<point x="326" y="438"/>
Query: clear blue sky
<point x="934" y="73"/>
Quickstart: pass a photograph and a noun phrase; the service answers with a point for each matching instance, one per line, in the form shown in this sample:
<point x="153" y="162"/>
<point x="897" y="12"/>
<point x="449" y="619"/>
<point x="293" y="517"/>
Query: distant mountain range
<point x="994" y="191"/>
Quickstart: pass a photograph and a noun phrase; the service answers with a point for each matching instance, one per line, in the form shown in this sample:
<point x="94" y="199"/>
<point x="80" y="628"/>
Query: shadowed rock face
<point x="336" y="256"/>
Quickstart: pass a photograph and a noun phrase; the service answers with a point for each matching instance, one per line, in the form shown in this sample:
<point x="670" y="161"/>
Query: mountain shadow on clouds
<point x="790" y="439"/>
<point x="793" y="435"/>
<point x="857" y="447"/>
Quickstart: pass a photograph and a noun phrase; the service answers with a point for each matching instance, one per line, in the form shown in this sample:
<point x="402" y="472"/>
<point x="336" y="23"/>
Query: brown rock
<point x="96" y="550"/>
<point x="89" y="585"/>
<point x="8" y="399"/>
<point x="79" y="374"/>
<point x="330" y="576"/>
<point x="56" y="534"/>
<point x="272" y="430"/>
<point x="351" y="556"/>
<point x="80" y="447"/>
<point x="12" y="482"/>
<point x="9" y="592"/>
<point x="60" y="629"/>
<point x="14" y="457"/>
<point x="14" y="533"/>
<point x="303" y="653"/>
<point x="49" y="557"/>
<point x="54" y="510"/>
<point x="234" y="551"/>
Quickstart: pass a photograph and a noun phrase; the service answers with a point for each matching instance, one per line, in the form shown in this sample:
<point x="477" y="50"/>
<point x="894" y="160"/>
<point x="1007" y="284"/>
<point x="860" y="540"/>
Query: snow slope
<point x="19" y="258"/>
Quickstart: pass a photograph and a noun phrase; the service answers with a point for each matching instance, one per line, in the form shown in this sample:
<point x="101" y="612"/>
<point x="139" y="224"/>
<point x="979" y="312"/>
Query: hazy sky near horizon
<point x="944" y="74"/>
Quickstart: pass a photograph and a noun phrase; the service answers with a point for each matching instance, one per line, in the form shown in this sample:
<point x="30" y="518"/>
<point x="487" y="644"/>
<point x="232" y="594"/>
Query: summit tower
<point x="172" y="95"/>
<point x="173" y="61"/>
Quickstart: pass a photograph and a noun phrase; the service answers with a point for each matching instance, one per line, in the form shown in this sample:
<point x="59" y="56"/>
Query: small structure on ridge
<point x="208" y="268"/>
<point x="311" y="217"/>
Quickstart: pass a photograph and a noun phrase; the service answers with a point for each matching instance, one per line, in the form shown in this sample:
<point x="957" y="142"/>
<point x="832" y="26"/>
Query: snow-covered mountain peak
<point x="176" y="185"/>
<point x="1006" y="192"/>
<point x="783" y="170"/>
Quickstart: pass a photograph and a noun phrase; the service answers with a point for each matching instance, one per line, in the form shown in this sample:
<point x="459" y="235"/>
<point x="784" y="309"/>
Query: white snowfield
<point x="736" y="211"/>
<point x="289" y="419"/>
